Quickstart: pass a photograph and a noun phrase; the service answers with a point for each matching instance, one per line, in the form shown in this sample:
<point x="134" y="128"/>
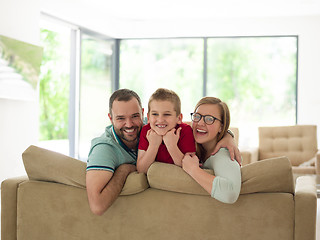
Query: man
<point x="113" y="155"/>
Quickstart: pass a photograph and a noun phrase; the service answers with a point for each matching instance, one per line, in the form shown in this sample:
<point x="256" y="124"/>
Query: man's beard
<point x="123" y="137"/>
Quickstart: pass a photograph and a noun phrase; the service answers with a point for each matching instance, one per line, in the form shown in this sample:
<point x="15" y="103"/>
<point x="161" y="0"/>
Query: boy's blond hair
<point x="163" y="94"/>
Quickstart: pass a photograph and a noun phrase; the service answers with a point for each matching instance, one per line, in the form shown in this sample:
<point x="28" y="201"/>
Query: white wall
<point x="18" y="119"/>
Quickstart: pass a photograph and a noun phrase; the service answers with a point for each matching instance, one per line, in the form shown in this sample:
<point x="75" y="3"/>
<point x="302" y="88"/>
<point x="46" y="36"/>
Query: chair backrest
<point x="233" y="129"/>
<point x="298" y="143"/>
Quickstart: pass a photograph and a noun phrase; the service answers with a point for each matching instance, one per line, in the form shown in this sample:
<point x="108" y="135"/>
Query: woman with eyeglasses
<point x="210" y="122"/>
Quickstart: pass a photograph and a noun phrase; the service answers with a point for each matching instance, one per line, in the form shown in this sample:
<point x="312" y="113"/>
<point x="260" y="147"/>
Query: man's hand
<point x="172" y="137"/>
<point x="127" y="168"/>
<point x="228" y="142"/>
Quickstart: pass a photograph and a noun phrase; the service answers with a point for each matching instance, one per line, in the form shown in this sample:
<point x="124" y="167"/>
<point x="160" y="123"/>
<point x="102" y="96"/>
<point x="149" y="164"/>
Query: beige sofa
<point x="51" y="203"/>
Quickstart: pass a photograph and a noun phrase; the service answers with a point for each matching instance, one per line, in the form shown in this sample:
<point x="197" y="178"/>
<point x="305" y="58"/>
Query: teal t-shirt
<point x="108" y="152"/>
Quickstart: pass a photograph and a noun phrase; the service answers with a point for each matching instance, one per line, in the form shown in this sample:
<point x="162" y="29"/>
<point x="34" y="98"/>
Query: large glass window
<point x="176" y="64"/>
<point x="54" y="87"/>
<point x="256" y="76"/>
<point x="95" y="89"/>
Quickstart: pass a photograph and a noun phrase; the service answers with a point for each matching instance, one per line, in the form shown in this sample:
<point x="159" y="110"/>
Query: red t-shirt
<point x="186" y="143"/>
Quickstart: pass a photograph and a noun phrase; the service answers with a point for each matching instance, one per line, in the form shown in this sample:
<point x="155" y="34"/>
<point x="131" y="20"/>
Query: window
<point x="54" y="87"/>
<point x="256" y="76"/>
<point x="73" y="109"/>
<point x="177" y="64"/>
<point x="95" y="89"/>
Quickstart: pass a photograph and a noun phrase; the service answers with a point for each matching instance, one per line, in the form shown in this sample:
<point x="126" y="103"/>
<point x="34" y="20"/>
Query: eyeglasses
<point x="208" y="119"/>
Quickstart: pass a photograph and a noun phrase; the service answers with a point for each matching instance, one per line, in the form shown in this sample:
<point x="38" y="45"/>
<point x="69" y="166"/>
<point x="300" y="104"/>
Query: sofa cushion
<point x="45" y="165"/>
<point x="271" y="175"/>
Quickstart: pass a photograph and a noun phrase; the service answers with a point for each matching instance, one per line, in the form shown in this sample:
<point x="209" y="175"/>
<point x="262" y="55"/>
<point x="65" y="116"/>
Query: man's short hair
<point x="123" y="95"/>
<point x="163" y="94"/>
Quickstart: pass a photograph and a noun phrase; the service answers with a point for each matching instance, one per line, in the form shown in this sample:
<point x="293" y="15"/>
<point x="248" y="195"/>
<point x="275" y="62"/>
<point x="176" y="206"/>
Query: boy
<point x="165" y="138"/>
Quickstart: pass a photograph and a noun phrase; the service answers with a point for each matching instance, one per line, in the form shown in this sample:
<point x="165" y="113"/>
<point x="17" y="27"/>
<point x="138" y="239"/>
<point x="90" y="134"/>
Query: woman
<point x="211" y="120"/>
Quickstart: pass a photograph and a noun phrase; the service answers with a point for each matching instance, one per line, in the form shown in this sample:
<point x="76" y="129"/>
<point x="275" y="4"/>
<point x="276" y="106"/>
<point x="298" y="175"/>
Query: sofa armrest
<point x="9" y="207"/>
<point x="305" y="199"/>
<point x="249" y="155"/>
<point x="317" y="163"/>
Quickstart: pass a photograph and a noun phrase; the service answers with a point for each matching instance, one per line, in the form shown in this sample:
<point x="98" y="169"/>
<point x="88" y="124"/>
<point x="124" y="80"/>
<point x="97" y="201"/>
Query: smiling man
<point x="113" y="155"/>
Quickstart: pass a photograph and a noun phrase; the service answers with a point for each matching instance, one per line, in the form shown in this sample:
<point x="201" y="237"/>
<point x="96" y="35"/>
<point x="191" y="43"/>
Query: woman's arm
<point x="225" y="185"/>
<point x="190" y="164"/>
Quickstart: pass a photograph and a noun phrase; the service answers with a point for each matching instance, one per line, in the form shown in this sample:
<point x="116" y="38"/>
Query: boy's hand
<point x="190" y="163"/>
<point x="153" y="138"/>
<point x="172" y="137"/>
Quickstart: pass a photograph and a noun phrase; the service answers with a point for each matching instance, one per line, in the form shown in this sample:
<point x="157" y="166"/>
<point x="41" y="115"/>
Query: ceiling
<point x="125" y="18"/>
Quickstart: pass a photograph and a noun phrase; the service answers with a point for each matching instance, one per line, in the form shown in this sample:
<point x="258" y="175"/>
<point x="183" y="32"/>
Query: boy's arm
<point x="171" y="141"/>
<point x="146" y="158"/>
<point x="228" y="142"/>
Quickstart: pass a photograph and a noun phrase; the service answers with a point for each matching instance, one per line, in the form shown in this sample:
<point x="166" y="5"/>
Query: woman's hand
<point x="153" y="138"/>
<point x="190" y="163"/>
<point x="228" y="142"/>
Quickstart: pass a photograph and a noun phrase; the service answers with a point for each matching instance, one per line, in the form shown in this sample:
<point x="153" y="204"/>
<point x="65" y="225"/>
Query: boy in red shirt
<point x="165" y="138"/>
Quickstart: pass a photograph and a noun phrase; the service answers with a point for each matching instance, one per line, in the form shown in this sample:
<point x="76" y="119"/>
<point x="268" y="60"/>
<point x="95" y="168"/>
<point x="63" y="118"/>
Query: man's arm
<point x="103" y="187"/>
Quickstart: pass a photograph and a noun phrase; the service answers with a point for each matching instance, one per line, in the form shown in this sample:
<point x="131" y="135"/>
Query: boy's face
<point x="162" y="116"/>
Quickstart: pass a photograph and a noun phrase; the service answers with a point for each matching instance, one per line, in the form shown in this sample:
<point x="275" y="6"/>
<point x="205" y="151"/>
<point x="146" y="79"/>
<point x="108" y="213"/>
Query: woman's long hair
<point x="225" y="121"/>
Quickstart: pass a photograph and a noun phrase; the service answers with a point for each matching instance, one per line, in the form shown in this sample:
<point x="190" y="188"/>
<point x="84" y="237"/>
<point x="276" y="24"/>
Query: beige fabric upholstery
<point x="45" y="165"/>
<point x="48" y="210"/>
<point x="267" y="176"/>
<point x="54" y="205"/>
<point x="305" y="205"/>
<point x="298" y="143"/>
<point x="9" y="207"/>
<point x="271" y="175"/>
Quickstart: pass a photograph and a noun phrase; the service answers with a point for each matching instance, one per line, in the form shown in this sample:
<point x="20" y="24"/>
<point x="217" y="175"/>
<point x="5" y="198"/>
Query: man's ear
<point x="180" y="118"/>
<point x="110" y="117"/>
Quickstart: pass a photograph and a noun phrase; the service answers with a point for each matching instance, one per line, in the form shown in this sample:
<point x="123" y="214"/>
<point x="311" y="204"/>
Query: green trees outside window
<point x="256" y="76"/>
<point x="54" y="85"/>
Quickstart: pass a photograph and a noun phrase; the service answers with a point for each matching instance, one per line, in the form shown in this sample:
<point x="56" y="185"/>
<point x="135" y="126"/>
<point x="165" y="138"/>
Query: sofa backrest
<point x="45" y="165"/>
<point x="272" y="175"/>
<point x="298" y="143"/>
